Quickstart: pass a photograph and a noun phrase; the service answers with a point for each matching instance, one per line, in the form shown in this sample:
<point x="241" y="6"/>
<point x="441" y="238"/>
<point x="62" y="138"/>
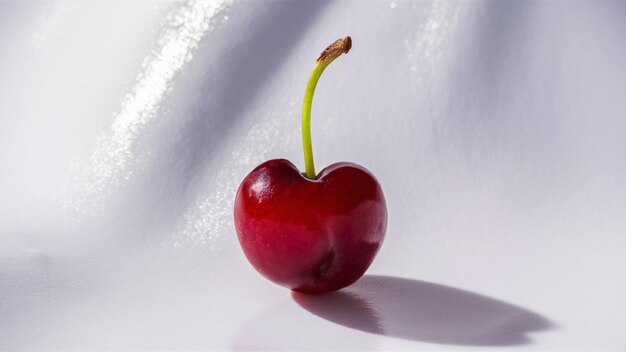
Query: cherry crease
<point x="310" y="235"/>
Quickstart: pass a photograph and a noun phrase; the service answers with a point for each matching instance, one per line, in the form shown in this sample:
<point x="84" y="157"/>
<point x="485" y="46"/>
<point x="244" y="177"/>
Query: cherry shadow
<point x="426" y="312"/>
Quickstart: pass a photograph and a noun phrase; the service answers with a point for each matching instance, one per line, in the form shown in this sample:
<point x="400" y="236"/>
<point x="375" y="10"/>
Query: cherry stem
<point x="333" y="51"/>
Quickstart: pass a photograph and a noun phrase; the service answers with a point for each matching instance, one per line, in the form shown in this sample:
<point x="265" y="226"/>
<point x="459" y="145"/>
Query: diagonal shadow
<point x="221" y="98"/>
<point x="210" y="97"/>
<point x="427" y="312"/>
<point x="495" y="53"/>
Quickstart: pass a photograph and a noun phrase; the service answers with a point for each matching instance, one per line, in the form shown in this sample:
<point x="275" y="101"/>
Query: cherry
<point x="311" y="233"/>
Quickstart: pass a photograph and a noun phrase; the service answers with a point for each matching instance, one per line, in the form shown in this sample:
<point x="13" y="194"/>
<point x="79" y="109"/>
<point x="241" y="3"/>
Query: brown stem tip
<point x="338" y="47"/>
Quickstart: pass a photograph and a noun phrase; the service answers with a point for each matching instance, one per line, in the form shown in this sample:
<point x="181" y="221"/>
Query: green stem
<point x="332" y="52"/>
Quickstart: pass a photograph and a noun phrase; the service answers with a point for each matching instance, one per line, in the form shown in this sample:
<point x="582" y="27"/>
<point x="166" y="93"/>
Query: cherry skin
<point x="310" y="235"/>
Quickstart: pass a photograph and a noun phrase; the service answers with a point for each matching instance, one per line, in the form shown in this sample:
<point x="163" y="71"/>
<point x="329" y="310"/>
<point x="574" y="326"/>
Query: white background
<point x="497" y="131"/>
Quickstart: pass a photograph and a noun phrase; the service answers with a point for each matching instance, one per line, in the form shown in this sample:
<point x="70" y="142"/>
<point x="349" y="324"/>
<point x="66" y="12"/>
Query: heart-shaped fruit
<point x="311" y="233"/>
<point x="312" y="236"/>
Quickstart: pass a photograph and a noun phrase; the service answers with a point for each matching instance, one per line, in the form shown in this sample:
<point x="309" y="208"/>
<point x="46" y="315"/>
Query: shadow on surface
<point x="427" y="312"/>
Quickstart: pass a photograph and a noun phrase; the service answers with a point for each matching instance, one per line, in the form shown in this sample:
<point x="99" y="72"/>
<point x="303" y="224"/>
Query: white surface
<point x="496" y="130"/>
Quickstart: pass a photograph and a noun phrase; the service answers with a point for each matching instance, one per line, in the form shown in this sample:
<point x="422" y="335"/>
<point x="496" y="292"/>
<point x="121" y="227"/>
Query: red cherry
<point x="312" y="236"/>
<point x="311" y="233"/>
